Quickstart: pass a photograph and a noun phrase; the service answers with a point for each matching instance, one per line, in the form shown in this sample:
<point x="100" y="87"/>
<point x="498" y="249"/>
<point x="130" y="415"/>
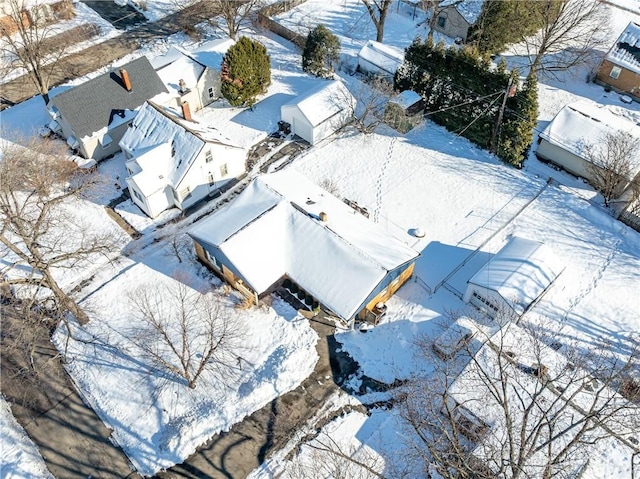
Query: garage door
<point x="483" y="303"/>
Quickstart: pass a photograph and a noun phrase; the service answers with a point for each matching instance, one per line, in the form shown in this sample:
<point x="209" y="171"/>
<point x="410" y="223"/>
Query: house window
<point x="615" y="72"/>
<point x="224" y="170"/>
<point x="106" y="140"/>
<point x="442" y="21"/>
<point x="208" y="156"/>
<point x="185" y="193"/>
<point x="212" y="259"/>
<point x="211" y="93"/>
<point x="211" y="179"/>
<point x="137" y="195"/>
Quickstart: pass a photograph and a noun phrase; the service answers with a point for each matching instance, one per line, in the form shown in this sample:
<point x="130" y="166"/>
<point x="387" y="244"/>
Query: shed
<point x="404" y="111"/>
<point x="377" y="58"/>
<point x="514" y="279"/>
<point x="283" y="228"/>
<point x="620" y="68"/>
<point x="319" y="112"/>
<point x="562" y="141"/>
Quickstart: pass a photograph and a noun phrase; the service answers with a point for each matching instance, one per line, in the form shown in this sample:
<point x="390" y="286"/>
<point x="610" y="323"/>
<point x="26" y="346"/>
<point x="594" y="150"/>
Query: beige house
<point x="94" y="116"/>
<point x="454" y="18"/>
<point x="174" y="161"/>
<point x="191" y="76"/>
<point x="620" y="68"/>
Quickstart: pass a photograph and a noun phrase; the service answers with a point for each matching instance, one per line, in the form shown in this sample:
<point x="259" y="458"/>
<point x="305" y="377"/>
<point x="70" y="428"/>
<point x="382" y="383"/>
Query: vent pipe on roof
<point x="125" y="79"/>
<point x="183" y="86"/>
<point x="186" y="111"/>
<point x="324" y="217"/>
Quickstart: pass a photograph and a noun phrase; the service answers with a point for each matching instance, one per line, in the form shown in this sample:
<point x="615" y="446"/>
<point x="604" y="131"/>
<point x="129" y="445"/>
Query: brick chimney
<point x="324" y="217"/>
<point x="125" y="79"/>
<point x="186" y="111"/>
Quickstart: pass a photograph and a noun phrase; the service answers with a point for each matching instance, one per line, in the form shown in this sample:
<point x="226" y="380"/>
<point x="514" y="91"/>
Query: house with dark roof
<point x="94" y="116"/>
<point x="174" y="162"/>
<point x="620" y="68"/>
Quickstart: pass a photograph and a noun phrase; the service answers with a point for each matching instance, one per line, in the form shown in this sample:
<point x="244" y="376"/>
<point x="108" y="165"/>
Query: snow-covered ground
<point x="457" y="193"/>
<point x="20" y="458"/>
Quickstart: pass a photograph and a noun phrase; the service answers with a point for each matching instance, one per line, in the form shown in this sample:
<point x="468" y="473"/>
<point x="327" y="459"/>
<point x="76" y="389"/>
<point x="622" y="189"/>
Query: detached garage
<point x="320" y="111"/>
<point x="514" y="279"/>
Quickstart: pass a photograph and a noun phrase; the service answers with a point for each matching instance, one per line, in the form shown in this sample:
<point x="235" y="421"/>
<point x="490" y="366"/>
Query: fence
<point x="265" y="20"/>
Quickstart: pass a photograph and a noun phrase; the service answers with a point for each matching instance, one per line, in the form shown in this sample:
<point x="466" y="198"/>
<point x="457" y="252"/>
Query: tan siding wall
<point x="455" y="25"/>
<point x="389" y="290"/>
<point x="627" y="82"/>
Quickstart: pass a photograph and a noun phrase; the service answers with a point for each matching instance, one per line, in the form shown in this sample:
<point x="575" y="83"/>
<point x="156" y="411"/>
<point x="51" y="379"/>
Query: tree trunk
<point x="67" y="302"/>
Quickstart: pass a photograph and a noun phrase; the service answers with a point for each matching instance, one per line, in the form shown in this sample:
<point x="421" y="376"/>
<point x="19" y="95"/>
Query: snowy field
<point x="460" y="195"/>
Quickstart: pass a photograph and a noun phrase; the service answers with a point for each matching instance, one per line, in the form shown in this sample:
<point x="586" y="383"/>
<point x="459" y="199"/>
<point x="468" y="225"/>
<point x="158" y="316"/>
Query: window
<point x="185" y="193"/>
<point x="106" y="140"/>
<point x="211" y="179"/>
<point x="212" y="259"/>
<point x="137" y="195"/>
<point x="615" y="72"/>
<point x="208" y="156"/>
<point x="224" y="170"/>
<point x="210" y="92"/>
<point x="442" y="21"/>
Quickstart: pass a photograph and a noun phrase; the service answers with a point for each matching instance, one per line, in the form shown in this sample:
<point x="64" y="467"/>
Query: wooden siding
<point x="390" y="285"/>
<point x="628" y="82"/>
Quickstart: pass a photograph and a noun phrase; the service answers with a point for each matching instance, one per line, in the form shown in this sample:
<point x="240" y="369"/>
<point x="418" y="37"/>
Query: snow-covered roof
<point x="323" y="101"/>
<point x="211" y="53"/>
<point x="181" y="68"/>
<point x="406" y="98"/>
<point x="626" y="51"/>
<point x="519" y="272"/>
<point x="608" y="457"/>
<point x="385" y="57"/>
<point x="469" y="9"/>
<point x="583" y="122"/>
<point x="273" y="228"/>
<point x="154" y="126"/>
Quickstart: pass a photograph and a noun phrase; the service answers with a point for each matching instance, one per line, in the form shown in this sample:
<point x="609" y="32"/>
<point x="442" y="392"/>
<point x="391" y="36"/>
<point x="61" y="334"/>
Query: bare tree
<point x="378" y="10"/>
<point x="228" y="16"/>
<point x="518" y="408"/>
<point x="39" y="188"/>
<point x="571" y="34"/>
<point x="366" y="103"/>
<point x="433" y="9"/>
<point x="613" y="164"/>
<point x="26" y="36"/>
<point x="186" y="333"/>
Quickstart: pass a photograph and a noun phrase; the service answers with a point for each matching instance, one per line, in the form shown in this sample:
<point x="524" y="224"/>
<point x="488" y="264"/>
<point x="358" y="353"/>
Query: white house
<point x="543" y="391"/>
<point x="319" y="112"/>
<point x="377" y="58"/>
<point x="514" y="279"/>
<point x="175" y="162"/>
<point x="192" y="76"/>
<point x="563" y="140"/>
<point x="283" y="228"/>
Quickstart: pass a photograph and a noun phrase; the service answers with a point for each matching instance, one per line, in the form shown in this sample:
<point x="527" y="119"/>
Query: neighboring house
<point x="319" y="112"/>
<point x="379" y="59"/>
<point x="284" y="230"/>
<point x="620" y="68"/>
<point x="455" y="17"/>
<point x="94" y="115"/>
<point x="404" y="111"/>
<point x="514" y="279"/>
<point x="562" y="142"/>
<point x="175" y="162"/>
<point x="40" y="12"/>
<point x="507" y="378"/>
<point x="192" y="76"/>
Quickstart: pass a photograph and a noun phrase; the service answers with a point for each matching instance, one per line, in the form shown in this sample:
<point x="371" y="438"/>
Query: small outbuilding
<point x="404" y="111"/>
<point x="620" y="68"/>
<point x="563" y="141"/>
<point x="514" y="279"/>
<point x="376" y="58"/>
<point x="319" y="112"/>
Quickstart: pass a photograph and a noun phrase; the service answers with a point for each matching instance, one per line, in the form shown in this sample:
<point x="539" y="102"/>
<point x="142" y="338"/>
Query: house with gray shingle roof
<point x="94" y="116"/>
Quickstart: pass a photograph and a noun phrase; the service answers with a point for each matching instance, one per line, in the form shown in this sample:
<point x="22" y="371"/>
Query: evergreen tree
<point x="321" y="52"/>
<point x="246" y="72"/>
<point x="521" y="117"/>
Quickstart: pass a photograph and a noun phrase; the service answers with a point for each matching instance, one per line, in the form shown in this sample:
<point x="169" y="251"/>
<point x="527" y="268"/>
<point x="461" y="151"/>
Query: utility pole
<point x="493" y="145"/>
